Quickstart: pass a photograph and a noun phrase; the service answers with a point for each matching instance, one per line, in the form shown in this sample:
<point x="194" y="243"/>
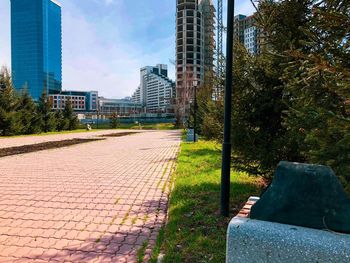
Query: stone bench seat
<point x="250" y="240"/>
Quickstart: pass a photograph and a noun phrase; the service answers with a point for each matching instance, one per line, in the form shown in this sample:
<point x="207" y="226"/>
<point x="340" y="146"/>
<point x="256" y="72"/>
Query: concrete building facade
<point x="122" y="107"/>
<point x="59" y="101"/>
<point x="251" y="39"/>
<point x="195" y="45"/>
<point x="247" y="33"/>
<point x="156" y="90"/>
<point x="137" y="95"/>
<point x="82" y="101"/>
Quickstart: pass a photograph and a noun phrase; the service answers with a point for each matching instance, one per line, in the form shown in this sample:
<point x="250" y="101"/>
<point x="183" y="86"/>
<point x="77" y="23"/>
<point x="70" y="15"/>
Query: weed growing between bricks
<point x="141" y="252"/>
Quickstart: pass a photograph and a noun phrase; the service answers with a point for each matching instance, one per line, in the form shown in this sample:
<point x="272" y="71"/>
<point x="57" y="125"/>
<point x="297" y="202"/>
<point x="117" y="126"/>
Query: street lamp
<point x="99" y="104"/>
<point x="226" y="147"/>
<point x="195" y="83"/>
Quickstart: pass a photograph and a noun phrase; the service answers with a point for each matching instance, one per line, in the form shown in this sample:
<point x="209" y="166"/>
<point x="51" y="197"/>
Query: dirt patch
<point x="118" y="134"/>
<point x="42" y="146"/>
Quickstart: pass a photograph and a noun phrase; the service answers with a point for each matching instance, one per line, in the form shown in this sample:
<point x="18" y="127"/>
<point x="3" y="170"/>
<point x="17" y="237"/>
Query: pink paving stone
<point x="61" y="244"/>
<point x="125" y="249"/>
<point x="112" y="248"/>
<point x="66" y="198"/>
<point x="83" y="235"/>
<point x="130" y="239"/>
<point x="35" y="253"/>
<point x="120" y="259"/>
<point x="20" y="260"/>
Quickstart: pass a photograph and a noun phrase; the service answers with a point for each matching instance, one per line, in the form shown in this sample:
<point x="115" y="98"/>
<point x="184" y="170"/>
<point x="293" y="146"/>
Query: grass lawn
<point x="49" y="133"/>
<point x="196" y="232"/>
<point x="133" y="126"/>
<point x="155" y="126"/>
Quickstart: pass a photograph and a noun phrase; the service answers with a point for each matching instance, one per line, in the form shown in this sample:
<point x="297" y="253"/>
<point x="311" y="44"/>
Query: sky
<point x="106" y="42"/>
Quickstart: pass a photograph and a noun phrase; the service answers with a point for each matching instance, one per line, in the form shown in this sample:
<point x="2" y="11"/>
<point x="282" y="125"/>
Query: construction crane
<point x="220" y="30"/>
<point x="220" y="59"/>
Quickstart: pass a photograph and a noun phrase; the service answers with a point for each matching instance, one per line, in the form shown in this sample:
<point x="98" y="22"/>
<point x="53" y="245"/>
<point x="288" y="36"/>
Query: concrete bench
<point x="250" y="240"/>
<point x="303" y="216"/>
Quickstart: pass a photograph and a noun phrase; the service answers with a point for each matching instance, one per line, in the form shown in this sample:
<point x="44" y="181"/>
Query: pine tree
<point x="70" y="117"/>
<point x="210" y="112"/>
<point x="29" y="115"/>
<point x="9" y="117"/>
<point x="259" y="139"/>
<point x="61" y="121"/>
<point x="318" y="82"/>
<point x="292" y="101"/>
<point x="114" y="121"/>
<point x="47" y="116"/>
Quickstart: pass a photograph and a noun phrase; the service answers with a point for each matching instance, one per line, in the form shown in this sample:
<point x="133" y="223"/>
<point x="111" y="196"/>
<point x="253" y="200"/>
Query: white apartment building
<point x="156" y="90"/>
<point x="251" y="39"/>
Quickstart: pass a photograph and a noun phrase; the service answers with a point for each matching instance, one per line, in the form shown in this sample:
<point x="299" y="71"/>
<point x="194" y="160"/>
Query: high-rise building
<point x="137" y="95"/>
<point x="206" y="7"/>
<point x="195" y="47"/>
<point x="156" y="90"/>
<point x="251" y="39"/>
<point x="36" y="44"/>
<point x="247" y="33"/>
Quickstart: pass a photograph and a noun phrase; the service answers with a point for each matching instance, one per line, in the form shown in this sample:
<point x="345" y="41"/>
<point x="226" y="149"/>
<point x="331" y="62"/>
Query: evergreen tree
<point x="291" y="102"/>
<point x="29" y="115"/>
<point x="61" y="121"/>
<point x="258" y="137"/>
<point x="210" y="112"/>
<point x="47" y="116"/>
<point x="114" y="121"/>
<point x="10" y="123"/>
<point x="71" y="118"/>
<point x="318" y="82"/>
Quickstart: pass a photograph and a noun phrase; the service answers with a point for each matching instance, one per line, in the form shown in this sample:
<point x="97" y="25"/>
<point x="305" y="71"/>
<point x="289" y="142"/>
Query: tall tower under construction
<point x="195" y="47"/>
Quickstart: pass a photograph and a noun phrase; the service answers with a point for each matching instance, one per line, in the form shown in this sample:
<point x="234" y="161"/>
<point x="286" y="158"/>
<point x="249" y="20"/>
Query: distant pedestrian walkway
<point x="6" y="142"/>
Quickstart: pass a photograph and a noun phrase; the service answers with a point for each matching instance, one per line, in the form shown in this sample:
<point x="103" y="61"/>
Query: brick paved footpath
<point x="93" y="202"/>
<point x="26" y="140"/>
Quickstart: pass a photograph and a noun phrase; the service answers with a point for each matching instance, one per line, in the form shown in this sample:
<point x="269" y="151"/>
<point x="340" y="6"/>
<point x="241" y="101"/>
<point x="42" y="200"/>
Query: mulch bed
<point x="118" y="134"/>
<point x="42" y="146"/>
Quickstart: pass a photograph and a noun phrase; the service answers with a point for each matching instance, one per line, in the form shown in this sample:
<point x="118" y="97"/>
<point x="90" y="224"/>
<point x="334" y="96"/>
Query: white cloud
<point x="95" y="55"/>
<point x="90" y="63"/>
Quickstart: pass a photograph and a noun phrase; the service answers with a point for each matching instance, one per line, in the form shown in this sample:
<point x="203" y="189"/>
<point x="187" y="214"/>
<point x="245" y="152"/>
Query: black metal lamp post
<point x="226" y="147"/>
<point x="96" y="119"/>
<point x="97" y="113"/>
<point x="195" y="83"/>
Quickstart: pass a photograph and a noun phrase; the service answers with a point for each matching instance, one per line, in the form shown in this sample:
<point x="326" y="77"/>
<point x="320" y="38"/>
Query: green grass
<point x="155" y="126"/>
<point x="141" y="252"/>
<point x="158" y="246"/>
<point x="196" y="232"/>
<point x="133" y="126"/>
<point x="49" y="133"/>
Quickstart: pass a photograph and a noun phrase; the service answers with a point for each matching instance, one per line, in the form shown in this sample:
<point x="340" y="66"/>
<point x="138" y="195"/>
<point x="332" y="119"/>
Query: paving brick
<point x="93" y="202"/>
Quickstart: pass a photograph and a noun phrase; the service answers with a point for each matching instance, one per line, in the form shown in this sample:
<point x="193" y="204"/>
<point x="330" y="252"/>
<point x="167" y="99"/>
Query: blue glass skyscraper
<point x="36" y="42"/>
